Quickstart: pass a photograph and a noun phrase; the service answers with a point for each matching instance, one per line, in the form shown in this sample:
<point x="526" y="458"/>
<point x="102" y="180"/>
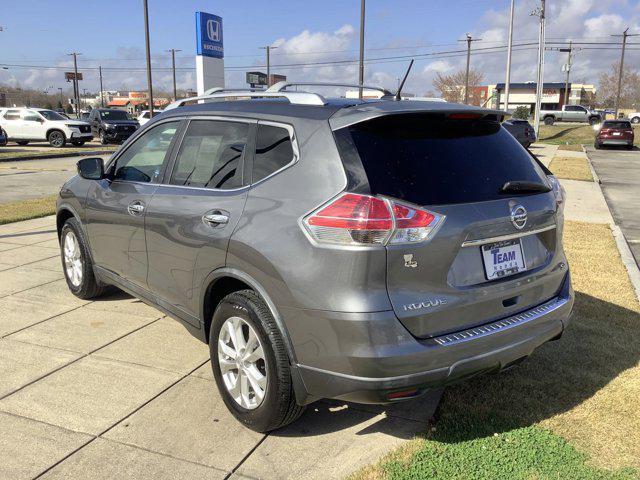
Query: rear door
<point x="194" y="212"/>
<point x="12" y="124"/>
<point x="493" y="251"/>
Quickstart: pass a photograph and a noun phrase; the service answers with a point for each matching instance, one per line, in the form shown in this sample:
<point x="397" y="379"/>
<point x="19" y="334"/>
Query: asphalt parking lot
<point x="113" y="389"/>
<point x="26" y="179"/>
<point x="619" y="173"/>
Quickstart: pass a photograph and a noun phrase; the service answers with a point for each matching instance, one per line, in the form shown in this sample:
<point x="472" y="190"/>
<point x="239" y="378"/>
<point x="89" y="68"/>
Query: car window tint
<point x="211" y="155"/>
<point x="142" y="161"/>
<point x="616" y="124"/>
<point x="12" y="115"/>
<point x="429" y="159"/>
<point x="30" y="116"/>
<point x="273" y="151"/>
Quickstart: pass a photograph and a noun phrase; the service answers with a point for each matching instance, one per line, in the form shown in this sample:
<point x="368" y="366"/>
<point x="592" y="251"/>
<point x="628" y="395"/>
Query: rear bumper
<point x="367" y="376"/>
<point x="615" y="141"/>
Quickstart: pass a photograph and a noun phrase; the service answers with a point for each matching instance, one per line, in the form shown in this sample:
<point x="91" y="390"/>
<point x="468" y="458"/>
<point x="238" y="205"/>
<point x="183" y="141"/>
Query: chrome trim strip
<point x="510" y="236"/>
<point x="501" y="325"/>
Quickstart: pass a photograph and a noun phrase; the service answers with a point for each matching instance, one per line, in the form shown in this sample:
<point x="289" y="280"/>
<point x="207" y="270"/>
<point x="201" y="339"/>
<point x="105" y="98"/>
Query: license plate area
<point x="502" y="259"/>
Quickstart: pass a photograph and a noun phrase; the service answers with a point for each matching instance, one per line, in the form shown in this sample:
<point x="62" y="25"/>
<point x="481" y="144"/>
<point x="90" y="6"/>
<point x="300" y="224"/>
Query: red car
<point x="615" y="132"/>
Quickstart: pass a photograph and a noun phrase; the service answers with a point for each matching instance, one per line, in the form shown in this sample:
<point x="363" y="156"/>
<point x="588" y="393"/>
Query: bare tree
<point x="608" y="84"/>
<point x="451" y="87"/>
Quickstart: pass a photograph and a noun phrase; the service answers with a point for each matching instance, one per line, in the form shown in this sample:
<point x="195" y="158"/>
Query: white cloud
<point x="438" y="66"/>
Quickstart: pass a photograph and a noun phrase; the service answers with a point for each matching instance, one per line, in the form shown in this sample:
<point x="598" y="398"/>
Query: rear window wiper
<point x="524" y="186"/>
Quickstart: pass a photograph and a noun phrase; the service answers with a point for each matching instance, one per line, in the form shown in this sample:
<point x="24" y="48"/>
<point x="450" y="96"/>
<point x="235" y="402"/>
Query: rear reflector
<point x="403" y="394"/>
<point x="354" y="219"/>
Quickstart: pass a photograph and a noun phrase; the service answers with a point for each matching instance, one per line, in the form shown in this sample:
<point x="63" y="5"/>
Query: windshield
<point x="114" y="115"/>
<point x="51" y="115"/>
<point x="429" y="159"/>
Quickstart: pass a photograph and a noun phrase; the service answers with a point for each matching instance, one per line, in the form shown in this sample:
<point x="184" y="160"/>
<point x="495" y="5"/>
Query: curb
<point x="626" y="256"/>
<point x="57" y="155"/>
<point x="595" y="176"/>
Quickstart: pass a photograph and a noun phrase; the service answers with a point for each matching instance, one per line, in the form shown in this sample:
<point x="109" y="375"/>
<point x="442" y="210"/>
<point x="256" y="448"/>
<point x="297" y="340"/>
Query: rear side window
<point x="12" y="115"/>
<point x="273" y="151"/>
<point x="211" y="155"/>
<point x="429" y="159"/>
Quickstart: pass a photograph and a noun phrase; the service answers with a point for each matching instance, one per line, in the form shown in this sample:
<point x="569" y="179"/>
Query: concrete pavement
<point x="113" y="389"/>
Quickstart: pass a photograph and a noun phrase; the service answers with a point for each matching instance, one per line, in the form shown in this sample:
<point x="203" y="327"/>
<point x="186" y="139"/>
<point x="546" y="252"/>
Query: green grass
<point x="578" y="134"/>
<point x="27" y="209"/>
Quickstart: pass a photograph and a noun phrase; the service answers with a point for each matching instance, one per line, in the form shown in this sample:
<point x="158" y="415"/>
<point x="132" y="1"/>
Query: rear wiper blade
<point x="524" y="186"/>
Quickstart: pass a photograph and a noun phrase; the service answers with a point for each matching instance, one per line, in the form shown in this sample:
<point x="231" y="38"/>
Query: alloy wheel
<point x="72" y="258"/>
<point x="242" y="363"/>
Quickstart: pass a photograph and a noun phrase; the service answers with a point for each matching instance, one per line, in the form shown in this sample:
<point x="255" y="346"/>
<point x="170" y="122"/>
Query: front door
<point x="117" y="206"/>
<point x="192" y="215"/>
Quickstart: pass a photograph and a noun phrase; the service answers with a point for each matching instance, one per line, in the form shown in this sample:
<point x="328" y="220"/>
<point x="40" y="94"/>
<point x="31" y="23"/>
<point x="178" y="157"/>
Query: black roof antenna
<point x="397" y="95"/>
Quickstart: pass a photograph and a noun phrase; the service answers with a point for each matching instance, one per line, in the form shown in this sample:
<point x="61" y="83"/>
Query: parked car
<point x="111" y="125"/>
<point x="310" y="244"/>
<point x="24" y="125"/>
<point x="521" y="130"/>
<point x="571" y="113"/>
<point x="634" y="117"/>
<point x="3" y="138"/>
<point x="145" y="116"/>
<point x="615" y="132"/>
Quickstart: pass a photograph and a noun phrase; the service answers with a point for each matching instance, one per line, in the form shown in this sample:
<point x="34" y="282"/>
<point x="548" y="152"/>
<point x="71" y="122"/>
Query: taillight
<point x="558" y="190"/>
<point x="354" y="219"/>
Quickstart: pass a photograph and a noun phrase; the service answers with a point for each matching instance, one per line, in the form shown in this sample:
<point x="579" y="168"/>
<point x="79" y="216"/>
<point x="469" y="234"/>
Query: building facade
<point x="553" y="95"/>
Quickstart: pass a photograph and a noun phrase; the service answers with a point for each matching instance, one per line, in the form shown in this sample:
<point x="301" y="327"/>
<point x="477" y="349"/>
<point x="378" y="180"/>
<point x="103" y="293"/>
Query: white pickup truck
<point x="570" y="113"/>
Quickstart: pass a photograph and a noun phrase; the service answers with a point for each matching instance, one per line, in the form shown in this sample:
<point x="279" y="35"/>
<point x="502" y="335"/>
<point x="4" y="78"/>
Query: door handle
<point x="215" y="219"/>
<point x="135" y="208"/>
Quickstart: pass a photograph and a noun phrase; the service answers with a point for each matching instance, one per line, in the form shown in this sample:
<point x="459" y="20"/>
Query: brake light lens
<point x="558" y="191"/>
<point x="354" y="219"/>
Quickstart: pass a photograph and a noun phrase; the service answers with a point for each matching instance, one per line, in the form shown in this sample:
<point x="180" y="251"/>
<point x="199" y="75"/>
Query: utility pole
<point x="361" y="65"/>
<point x="268" y="48"/>
<point x="84" y="97"/>
<point x="507" y="80"/>
<point x="60" y="88"/>
<point x="76" y="89"/>
<point x="469" y="39"/>
<point x="101" y="94"/>
<point x="173" y="67"/>
<point x="568" y="68"/>
<point x="146" y="38"/>
<point x="539" y="12"/>
<point x="621" y="72"/>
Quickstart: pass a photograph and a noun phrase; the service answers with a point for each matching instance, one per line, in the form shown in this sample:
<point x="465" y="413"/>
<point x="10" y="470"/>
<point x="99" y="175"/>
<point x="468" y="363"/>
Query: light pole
<point x="361" y="64"/>
<point x="624" y="36"/>
<point x="469" y="39"/>
<point x="268" y="48"/>
<point x="173" y="67"/>
<point x="568" y="68"/>
<point x="60" y="88"/>
<point x="509" y="49"/>
<point x="76" y="87"/>
<point x="101" y="94"/>
<point x="540" y="12"/>
<point x="148" y="48"/>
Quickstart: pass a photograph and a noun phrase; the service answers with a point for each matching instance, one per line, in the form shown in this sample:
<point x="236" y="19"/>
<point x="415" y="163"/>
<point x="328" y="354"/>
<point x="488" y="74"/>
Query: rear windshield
<point x="616" y="124"/>
<point x="429" y="159"/>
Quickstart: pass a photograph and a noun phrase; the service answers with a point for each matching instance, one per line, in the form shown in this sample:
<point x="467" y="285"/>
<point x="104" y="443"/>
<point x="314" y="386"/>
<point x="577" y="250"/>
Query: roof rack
<point x="280" y="86"/>
<point x="297" y="98"/>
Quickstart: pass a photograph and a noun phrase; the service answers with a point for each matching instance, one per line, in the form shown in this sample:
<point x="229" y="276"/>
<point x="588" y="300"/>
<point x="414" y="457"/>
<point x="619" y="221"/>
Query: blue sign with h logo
<point x="209" y="35"/>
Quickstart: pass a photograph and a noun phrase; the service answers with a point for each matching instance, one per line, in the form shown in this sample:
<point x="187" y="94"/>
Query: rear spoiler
<point x="367" y="111"/>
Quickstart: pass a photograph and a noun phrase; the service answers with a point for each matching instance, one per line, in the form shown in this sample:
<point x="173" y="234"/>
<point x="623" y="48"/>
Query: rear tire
<point x="635" y="120"/>
<point x="22" y="142"/>
<point x="596" y="145"/>
<point x="56" y="139"/>
<point x="549" y="120"/>
<point x="277" y="406"/>
<point x="77" y="143"/>
<point x="594" y="121"/>
<point x="76" y="262"/>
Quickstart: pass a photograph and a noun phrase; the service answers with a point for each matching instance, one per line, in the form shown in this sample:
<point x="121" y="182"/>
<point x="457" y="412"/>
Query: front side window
<point x="143" y="160"/>
<point x="274" y="150"/>
<point x="51" y="115"/>
<point x="211" y="155"/>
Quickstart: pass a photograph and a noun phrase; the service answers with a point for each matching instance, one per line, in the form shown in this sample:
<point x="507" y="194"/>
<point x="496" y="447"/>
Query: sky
<point x="38" y="34"/>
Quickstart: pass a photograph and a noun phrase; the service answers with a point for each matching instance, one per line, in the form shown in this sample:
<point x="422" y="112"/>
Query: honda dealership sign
<point x="209" y="52"/>
<point x="209" y="35"/>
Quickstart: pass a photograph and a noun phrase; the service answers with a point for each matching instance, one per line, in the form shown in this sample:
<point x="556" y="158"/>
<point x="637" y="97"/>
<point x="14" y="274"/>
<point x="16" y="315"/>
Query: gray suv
<point x="363" y="250"/>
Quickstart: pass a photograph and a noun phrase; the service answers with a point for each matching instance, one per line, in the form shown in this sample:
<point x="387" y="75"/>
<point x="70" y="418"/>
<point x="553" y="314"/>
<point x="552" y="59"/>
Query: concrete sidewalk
<point x="113" y="389"/>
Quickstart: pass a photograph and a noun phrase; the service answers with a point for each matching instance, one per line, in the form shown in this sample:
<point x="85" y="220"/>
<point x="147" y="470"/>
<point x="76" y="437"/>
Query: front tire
<point x="635" y="120"/>
<point x="103" y="138"/>
<point x="596" y="145"/>
<point x="76" y="262"/>
<point x="250" y="363"/>
<point x="57" y="139"/>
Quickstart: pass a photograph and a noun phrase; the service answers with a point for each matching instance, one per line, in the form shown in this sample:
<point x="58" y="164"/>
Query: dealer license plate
<point x="502" y="259"/>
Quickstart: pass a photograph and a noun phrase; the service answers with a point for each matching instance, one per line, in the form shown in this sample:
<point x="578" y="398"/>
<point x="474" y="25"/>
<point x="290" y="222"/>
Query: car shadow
<point x="560" y="133"/>
<point x="602" y="341"/>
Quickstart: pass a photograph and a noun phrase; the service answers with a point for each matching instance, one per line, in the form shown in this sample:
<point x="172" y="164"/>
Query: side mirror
<point x="91" y="168"/>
